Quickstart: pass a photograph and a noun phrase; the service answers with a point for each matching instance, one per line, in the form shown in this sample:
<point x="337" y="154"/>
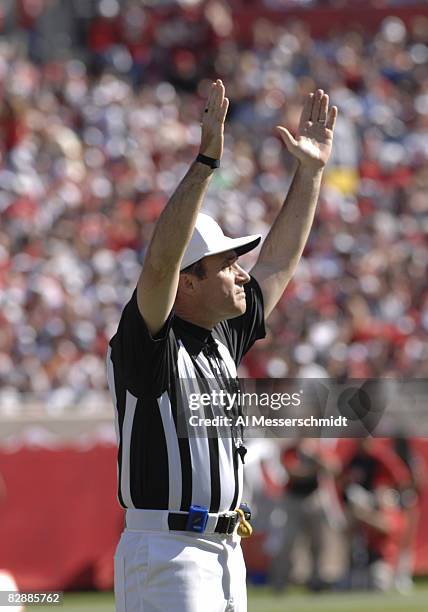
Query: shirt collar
<point x="194" y="337"/>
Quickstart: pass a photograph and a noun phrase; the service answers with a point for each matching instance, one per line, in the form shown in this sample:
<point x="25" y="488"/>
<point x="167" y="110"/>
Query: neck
<point x="201" y="319"/>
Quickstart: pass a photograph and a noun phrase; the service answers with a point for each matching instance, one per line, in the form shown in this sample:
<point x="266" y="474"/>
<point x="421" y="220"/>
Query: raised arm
<point x="157" y="286"/>
<point x="284" y="244"/>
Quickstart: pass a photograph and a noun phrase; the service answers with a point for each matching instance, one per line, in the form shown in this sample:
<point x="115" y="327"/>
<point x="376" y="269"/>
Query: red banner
<point x="60" y="520"/>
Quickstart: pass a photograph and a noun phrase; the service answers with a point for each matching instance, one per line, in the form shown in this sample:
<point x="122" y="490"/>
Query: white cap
<point x="208" y="239"/>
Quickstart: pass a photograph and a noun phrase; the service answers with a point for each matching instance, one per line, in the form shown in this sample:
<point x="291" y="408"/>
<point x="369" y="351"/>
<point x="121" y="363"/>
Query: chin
<point x="241" y="307"/>
<point x="237" y="309"/>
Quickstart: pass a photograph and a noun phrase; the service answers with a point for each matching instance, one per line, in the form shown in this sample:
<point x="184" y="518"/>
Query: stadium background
<point x="100" y="106"/>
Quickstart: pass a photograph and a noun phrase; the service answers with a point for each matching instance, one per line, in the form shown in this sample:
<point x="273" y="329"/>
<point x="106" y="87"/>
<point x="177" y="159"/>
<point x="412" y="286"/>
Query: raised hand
<point x="212" y="123"/>
<point x="314" y="138"/>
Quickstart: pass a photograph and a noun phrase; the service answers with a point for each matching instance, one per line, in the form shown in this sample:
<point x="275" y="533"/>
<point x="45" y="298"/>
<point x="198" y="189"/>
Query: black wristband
<point x="208" y="161"/>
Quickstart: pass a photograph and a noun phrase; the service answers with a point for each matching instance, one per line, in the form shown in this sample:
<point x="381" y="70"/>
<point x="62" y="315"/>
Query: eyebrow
<point x="230" y="258"/>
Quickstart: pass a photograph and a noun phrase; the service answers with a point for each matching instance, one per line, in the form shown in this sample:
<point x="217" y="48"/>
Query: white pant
<point x="164" y="571"/>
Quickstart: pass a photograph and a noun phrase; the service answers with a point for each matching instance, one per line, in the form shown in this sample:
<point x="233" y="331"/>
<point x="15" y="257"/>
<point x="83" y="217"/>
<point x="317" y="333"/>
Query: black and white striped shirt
<point x="149" y="378"/>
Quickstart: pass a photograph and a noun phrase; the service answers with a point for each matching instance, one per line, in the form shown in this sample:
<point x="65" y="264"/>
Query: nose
<point x="241" y="276"/>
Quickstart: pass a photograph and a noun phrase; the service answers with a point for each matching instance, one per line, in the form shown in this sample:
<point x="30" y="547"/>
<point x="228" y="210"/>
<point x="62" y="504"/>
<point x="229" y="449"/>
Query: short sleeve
<point x="142" y="360"/>
<point x="243" y="331"/>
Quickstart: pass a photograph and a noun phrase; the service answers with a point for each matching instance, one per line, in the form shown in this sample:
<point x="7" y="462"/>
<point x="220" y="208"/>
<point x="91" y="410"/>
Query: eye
<point x="229" y="265"/>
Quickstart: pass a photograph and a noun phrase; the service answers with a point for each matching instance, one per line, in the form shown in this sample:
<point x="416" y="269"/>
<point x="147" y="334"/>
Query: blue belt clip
<point x="197" y="519"/>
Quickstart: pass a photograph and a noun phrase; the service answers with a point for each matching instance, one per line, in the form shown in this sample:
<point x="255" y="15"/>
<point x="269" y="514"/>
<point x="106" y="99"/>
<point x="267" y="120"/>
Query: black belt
<point x="226" y="523"/>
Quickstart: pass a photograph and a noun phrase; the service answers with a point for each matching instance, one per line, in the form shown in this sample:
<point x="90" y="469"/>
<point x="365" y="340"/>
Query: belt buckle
<point x="230" y="522"/>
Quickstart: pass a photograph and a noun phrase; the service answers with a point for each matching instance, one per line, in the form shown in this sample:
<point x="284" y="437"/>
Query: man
<point x="377" y="519"/>
<point x="370" y="474"/>
<point x="309" y="465"/>
<point x="193" y="316"/>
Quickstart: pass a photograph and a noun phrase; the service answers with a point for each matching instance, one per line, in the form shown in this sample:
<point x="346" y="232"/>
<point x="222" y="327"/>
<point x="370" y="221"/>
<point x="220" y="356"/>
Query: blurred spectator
<point x="410" y="503"/>
<point x="380" y="522"/>
<point x="306" y="463"/>
<point x="371" y="463"/>
<point x="370" y="482"/>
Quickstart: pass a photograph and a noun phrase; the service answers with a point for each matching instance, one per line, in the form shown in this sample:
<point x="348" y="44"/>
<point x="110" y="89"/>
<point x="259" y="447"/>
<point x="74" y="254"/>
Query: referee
<point x="194" y="314"/>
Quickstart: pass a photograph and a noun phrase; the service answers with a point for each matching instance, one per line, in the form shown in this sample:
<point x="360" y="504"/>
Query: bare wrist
<point x="310" y="172"/>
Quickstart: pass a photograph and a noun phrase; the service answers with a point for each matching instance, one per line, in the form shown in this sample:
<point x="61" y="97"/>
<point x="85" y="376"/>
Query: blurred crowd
<point x="355" y="505"/>
<point x="99" y="120"/>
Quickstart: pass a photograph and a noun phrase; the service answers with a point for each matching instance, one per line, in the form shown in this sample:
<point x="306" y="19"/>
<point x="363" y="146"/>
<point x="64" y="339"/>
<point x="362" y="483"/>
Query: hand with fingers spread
<point x="212" y="123"/>
<point x="314" y="139"/>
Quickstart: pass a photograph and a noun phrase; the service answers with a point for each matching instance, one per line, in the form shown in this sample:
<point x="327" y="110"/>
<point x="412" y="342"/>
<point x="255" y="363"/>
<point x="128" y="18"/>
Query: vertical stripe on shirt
<point x="175" y="471"/>
<point x="128" y="421"/>
<point x="178" y="414"/>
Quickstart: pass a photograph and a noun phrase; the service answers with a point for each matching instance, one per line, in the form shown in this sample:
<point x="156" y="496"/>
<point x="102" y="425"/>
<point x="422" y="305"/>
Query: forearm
<point x="283" y="247"/>
<point x="285" y="242"/>
<point x="177" y="221"/>
<point x="371" y="518"/>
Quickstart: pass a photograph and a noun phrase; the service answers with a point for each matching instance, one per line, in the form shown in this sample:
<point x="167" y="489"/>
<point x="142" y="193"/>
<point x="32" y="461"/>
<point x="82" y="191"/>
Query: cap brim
<point x="240" y="245"/>
<point x="250" y="243"/>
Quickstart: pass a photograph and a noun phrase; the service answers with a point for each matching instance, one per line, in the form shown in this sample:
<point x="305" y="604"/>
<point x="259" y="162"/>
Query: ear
<point x="187" y="284"/>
